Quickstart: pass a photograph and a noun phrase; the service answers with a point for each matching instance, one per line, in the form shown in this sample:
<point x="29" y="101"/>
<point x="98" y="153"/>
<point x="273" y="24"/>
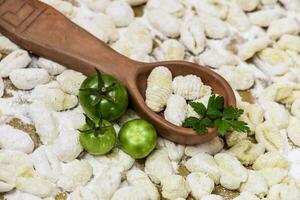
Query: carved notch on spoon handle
<point x="18" y="15"/>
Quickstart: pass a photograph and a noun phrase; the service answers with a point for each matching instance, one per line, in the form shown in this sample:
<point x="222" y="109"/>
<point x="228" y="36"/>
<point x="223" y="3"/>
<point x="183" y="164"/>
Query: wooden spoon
<point x="44" y="31"/>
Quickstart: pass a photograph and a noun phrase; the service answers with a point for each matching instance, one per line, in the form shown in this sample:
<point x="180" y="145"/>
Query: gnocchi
<point x="159" y="88"/>
<point x="26" y="79"/>
<point x="248" y="49"/>
<point x="247" y="42"/>
<point x="1" y="87"/>
<point x="174" y="186"/>
<point x="237" y="18"/>
<point x="192" y="35"/>
<point x="46" y="163"/>
<point x="157" y="173"/>
<point x="255" y="184"/>
<point x="52" y="68"/>
<point x="45" y="126"/>
<point x="234" y="77"/>
<point x="232" y="172"/>
<point x="200" y="185"/>
<point x="121" y="12"/>
<point x="264" y="18"/>
<point x="67" y="146"/>
<point x="170" y="50"/>
<point x="246" y="151"/>
<point x="70" y="81"/>
<point x="278" y="27"/>
<point x="74" y="174"/>
<point x="176" y="109"/>
<point x="188" y="86"/>
<point x="139" y="178"/>
<point x="204" y="163"/>
<point x="293" y="130"/>
<point x="6" y="46"/>
<point x="269" y="136"/>
<point x="15" y="60"/>
<point x="164" y="22"/>
<point x="15" y="139"/>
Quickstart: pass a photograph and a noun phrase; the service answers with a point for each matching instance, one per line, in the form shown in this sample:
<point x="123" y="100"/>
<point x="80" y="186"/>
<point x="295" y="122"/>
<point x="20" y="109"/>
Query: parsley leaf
<point x="216" y="115"/>
<point x="199" y="108"/>
<point x="232" y="113"/>
<point x="191" y="122"/>
<point x="215" y="106"/>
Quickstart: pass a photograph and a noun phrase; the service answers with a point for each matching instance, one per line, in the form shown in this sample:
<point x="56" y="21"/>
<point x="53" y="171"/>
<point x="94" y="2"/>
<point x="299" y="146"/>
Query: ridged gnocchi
<point x="106" y="183"/>
<point x="159" y="88"/>
<point x="246" y="151"/>
<point x="164" y="22"/>
<point x="265" y="17"/>
<point x="170" y="50"/>
<point x="239" y="77"/>
<point x="74" y="174"/>
<point x="45" y="126"/>
<point x="255" y="184"/>
<point x="268" y="135"/>
<point x="204" y="163"/>
<point x="174" y="7"/>
<point x="215" y="59"/>
<point x="270" y="160"/>
<point x="174" y="186"/>
<point x="232" y="172"/>
<point x="214" y="27"/>
<point x="211" y="147"/>
<point x="293" y="130"/>
<point x="192" y="35"/>
<point x="157" y="173"/>
<point x="248" y="49"/>
<point x="289" y="42"/>
<point x="188" y="87"/>
<point x="237" y="18"/>
<point x="46" y="163"/>
<point x="276" y="114"/>
<point x="139" y="178"/>
<point x="70" y="81"/>
<point x="278" y="27"/>
<point x="1" y="87"/>
<point x="52" y="96"/>
<point x="200" y="184"/>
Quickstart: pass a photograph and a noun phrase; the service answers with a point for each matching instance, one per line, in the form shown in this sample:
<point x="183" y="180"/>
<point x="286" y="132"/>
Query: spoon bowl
<point x="45" y="32"/>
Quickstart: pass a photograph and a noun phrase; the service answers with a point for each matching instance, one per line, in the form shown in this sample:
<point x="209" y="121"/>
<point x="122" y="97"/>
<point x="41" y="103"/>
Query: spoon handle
<point x="41" y="29"/>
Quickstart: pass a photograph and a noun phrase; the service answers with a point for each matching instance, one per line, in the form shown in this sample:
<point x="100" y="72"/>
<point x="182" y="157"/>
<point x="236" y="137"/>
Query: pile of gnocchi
<point x="254" y="45"/>
<point x="171" y="96"/>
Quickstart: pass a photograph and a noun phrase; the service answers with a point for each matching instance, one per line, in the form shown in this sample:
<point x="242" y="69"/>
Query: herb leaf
<point x="191" y="122"/>
<point x="215" y="106"/>
<point x="232" y="113"/>
<point x="199" y="108"/>
<point x="216" y="115"/>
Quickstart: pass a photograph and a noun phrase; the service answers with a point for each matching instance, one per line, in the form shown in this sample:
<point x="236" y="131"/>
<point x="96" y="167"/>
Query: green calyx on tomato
<point x="137" y="138"/>
<point x="97" y="138"/>
<point x="104" y="93"/>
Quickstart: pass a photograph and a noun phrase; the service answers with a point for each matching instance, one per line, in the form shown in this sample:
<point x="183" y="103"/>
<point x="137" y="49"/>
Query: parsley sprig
<point x="215" y="115"/>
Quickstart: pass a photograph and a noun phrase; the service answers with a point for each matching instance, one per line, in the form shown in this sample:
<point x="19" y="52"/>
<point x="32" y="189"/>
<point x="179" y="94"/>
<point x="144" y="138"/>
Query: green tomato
<point x="137" y="138"/>
<point x="105" y="95"/>
<point x="98" y="143"/>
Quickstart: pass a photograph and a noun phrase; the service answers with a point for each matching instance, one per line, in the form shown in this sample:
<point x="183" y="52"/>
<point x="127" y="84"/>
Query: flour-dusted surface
<point x="253" y="44"/>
